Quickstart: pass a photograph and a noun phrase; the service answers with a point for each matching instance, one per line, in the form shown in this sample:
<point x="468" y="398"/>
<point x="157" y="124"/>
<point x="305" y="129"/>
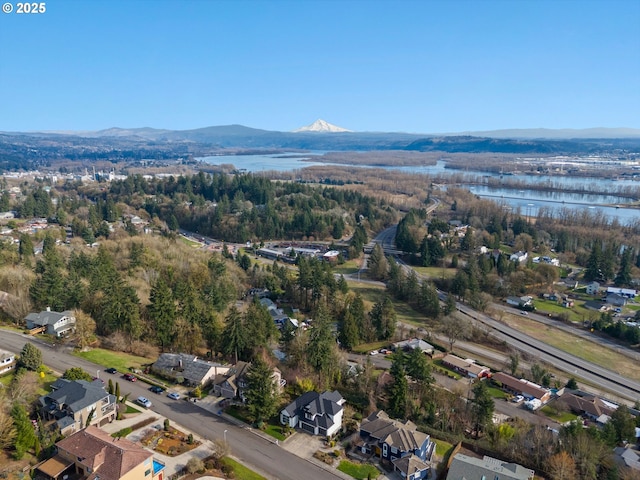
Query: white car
<point x="517" y="399"/>
<point x="145" y="402"/>
<point x="373" y="352"/>
<point x="174" y="396"/>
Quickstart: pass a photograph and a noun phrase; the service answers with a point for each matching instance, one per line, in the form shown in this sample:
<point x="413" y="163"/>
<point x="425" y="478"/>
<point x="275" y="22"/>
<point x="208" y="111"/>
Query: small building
<point x="74" y="404"/>
<point x="520" y="302"/>
<point x="92" y="454"/>
<point x="464" y="467"/>
<point x="587" y="404"/>
<point x="466" y="367"/>
<point x="625" y="292"/>
<point x="233" y="383"/>
<point x="414" y="343"/>
<point x="189" y="368"/>
<point x="331" y="256"/>
<point x="55" y="323"/>
<point x="527" y="389"/>
<point x="593" y="288"/>
<point x="627" y="458"/>
<point x="7" y="361"/>
<point x="596" y="305"/>
<point x="519" y="257"/>
<point x="616" y="300"/>
<point x="315" y="413"/>
<point x="400" y="443"/>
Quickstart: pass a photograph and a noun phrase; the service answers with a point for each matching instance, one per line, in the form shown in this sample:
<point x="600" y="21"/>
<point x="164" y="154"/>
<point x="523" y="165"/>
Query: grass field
<point x="436" y="272"/>
<point x="548" y="306"/>
<point x="119" y="360"/>
<point x="562" y="417"/>
<point x="497" y="393"/>
<point x="367" y="347"/>
<point x="347" y="268"/>
<point x="442" y="447"/>
<point x="189" y="243"/>
<point x="240" y="472"/>
<point x="357" y="470"/>
<point x="579" y="347"/>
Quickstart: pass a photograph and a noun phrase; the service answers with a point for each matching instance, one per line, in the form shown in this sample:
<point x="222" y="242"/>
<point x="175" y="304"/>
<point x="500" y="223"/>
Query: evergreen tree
<point x="76" y="373"/>
<point x="110" y="388"/>
<point x="398" y="390"/>
<point x="418" y="367"/>
<point x="162" y="312"/>
<point x="383" y="318"/>
<point x="234" y="335"/>
<point x="30" y="357"/>
<point x="593" y="270"/>
<point x="428" y="301"/>
<point x="378" y="264"/>
<point x="321" y="348"/>
<point x="623" y="278"/>
<point x="623" y="424"/>
<point x="482" y="406"/>
<point x="25" y="248"/>
<point x="25" y="434"/>
<point x="348" y="331"/>
<point x="261" y="391"/>
<point x="261" y="329"/>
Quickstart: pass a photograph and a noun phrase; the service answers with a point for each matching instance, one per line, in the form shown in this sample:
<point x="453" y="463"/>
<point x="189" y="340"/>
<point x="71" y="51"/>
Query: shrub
<point x="190" y="439"/>
<point x="143" y="423"/>
<point x="195" y="465"/>
<point x="122" y="433"/>
<point x="167" y="424"/>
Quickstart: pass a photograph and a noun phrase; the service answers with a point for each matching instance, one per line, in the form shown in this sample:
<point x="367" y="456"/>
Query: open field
<point x="585" y="349"/>
<point x="435" y="272"/>
<point x="347" y="268"/>
<point x="119" y="360"/>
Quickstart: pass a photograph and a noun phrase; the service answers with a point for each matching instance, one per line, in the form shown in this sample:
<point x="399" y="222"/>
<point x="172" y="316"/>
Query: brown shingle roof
<point x="520" y="386"/>
<point x="107" y="457"/>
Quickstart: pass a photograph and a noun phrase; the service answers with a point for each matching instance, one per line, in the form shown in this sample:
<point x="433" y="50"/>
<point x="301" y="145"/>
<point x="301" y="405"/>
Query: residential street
<point x="265" y="457"/>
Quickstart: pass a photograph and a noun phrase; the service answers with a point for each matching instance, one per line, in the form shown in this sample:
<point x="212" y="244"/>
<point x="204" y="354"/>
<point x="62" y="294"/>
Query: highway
<point x="266" y="458"/>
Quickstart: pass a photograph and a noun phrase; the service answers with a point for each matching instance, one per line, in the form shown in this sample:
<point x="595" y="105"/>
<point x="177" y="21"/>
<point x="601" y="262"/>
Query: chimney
<point x="48" y="309"/>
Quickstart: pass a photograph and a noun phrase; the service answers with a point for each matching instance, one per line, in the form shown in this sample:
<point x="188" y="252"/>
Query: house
<point x="468" y="367"/>
<point x="593" y="288"/>
<point x="233" y="382"/>
<point x="400" y="443"/>
<point x="527" y="389"/>
<point x="520" y="302"/>
<point x="626" y="457"/>
<point x="75" y="404"/>
<point x="315" y="413"/>
<point x="596" y="305"/>
<point x="189" y="368"/>
<point x="55" y="323"/>
<point x="591" y="406"/>
<point x="7" y="361"/>
<point x="464" y="467"/>
<point x="616" y="299"/>
<point x="414" y="343"/>
<point x="92" y="454"/>
<point x="625" y="292"/>
<point x="519" y="257"/>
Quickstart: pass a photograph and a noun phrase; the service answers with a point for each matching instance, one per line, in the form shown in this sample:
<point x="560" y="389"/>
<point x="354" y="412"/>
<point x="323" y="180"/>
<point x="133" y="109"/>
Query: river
<point x="528" y="201"/>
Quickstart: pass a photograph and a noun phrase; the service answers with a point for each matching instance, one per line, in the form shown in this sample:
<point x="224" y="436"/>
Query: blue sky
<point x="403" y="65"/>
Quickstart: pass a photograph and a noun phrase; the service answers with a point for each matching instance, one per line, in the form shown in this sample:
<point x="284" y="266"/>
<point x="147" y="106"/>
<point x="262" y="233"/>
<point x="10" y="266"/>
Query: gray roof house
<point x="188" y="367"/>
<point x="400" y="443"/>
<point x="465" y="467"/>
<point x="74" y="403"/>
<point x="56" y="323"/>
<point x="627" y="458"/>
<point x="231" y="383"/>
<point x="315" y="413"/>
<point x="414" y="343"/>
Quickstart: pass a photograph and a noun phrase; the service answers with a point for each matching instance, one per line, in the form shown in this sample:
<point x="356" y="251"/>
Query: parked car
<point x="145" y="402"/>
<point x="111" y="370"/>
<point x="174" y="395"/>
<point x="130" y="377"/>
<point x="156" y="389"/>
<point x="373" y="352"/>
<point x="517" y="399"/>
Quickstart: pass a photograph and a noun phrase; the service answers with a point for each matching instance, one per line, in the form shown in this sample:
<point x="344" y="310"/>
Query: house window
<point x="385" y="450"/>
<point x="147" y="472"/>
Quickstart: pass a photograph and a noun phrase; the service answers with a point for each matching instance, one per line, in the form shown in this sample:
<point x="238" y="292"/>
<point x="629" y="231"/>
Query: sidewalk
<point x="172" y="464"/>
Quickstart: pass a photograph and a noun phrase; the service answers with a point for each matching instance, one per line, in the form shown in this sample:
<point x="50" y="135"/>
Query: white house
<point x="315" y="413"/>
<point x="593" y="288"/>
<point x="519" y="257"/>
<point x="7" y="361"/>
<point x="623" y="292"/>
<point x="56" y="323"/>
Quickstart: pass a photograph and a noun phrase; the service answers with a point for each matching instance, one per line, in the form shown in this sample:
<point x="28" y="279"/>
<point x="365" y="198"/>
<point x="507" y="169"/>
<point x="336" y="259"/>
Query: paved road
<point x="265" y="457"/>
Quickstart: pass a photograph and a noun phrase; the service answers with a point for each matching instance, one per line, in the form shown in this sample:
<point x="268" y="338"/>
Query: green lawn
<point x="357" y="470"/>
<point x="442" y="447"/>
<point x="239" y="413"/>
<point x="447" y="371"/>
<point x="497" y="393"/>
<point x="108" y="358"/>
<point x="130" y="409"/>
<point x="436" y="272"/>
<point x="547" y="306"/>
<point x="367" y="347"/>
<point x="347" y="268"/>
<point x="275" y="431"/>
<point x="188" y="242"/>
<point x="240" y="471"/>
<point x="562" y="417"/>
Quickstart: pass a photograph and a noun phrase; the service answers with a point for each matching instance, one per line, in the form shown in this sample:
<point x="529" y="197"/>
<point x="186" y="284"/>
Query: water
<point x="157" y="466"/>
<point x="527" y="201"/>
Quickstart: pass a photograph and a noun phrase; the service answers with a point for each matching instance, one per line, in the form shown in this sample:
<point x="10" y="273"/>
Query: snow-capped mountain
<point x="322" y="127"/>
